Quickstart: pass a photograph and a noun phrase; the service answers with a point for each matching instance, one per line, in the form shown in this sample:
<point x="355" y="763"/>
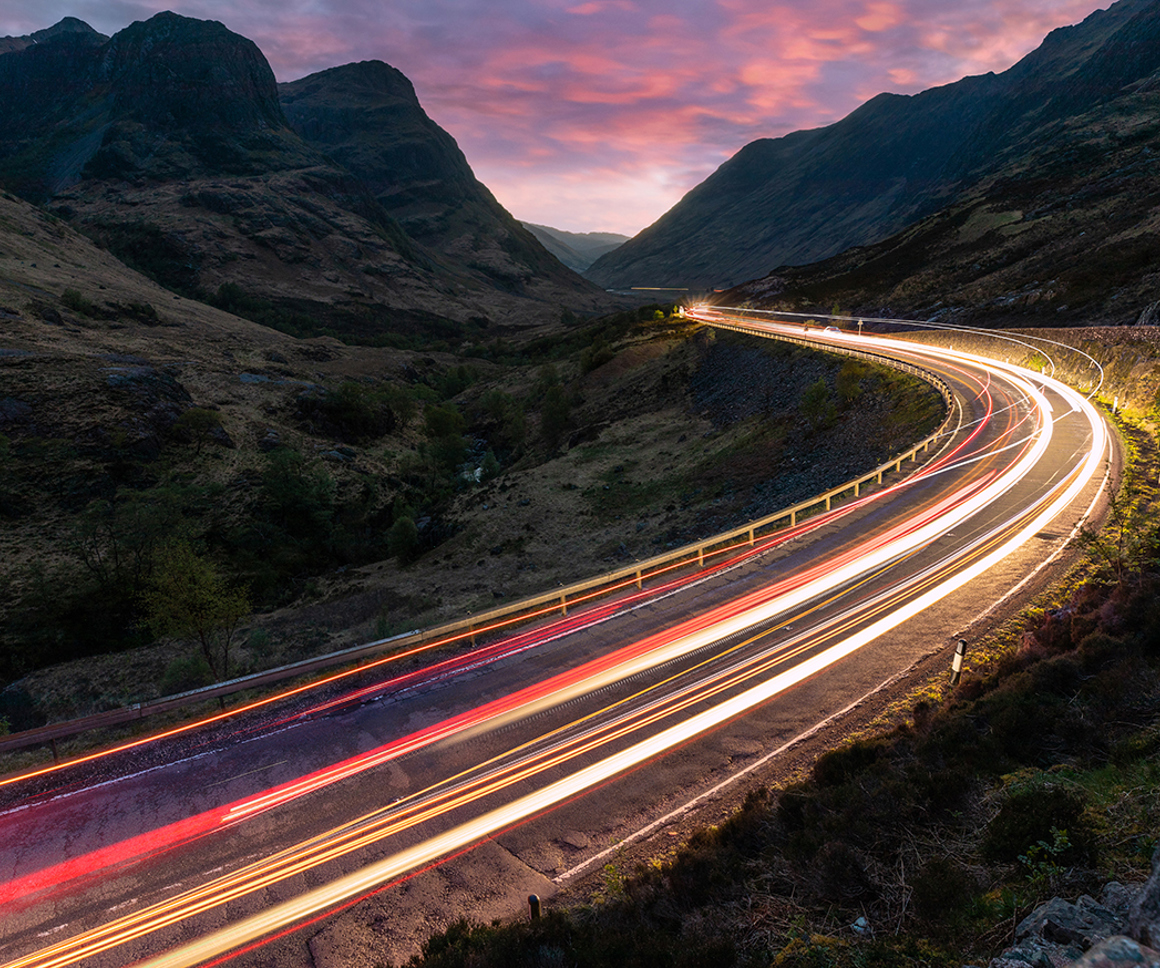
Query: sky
<point x="598" y="115"/>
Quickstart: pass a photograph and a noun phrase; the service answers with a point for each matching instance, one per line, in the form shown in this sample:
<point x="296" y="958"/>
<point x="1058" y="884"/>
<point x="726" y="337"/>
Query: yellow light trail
<point x="372" y="828"/>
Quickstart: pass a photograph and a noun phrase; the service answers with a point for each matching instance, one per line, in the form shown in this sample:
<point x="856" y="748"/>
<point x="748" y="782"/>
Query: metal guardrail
<point x="537" y="606"/>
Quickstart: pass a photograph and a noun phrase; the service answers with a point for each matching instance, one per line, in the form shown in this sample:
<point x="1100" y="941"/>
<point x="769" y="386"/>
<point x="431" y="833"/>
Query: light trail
<point x="734" y="688"/>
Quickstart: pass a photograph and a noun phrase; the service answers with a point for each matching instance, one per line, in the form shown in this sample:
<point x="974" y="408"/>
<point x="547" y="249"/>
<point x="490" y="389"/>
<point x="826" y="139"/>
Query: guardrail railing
<point x="537" y="606"/>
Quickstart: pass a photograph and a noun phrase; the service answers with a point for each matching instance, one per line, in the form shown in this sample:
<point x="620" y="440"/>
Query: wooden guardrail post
<point x="564" y="604"/>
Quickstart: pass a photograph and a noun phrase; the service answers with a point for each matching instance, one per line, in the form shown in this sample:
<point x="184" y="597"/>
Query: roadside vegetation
<point x="923" y="843"/>
<point x="200" y="547"/>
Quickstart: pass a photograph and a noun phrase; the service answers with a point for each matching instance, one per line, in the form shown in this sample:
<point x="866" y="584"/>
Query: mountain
<point x="577" y="250"/>
<point x="69" y="25"/>
<point x="1066" y="232"/>
<point x="812" y="194"/>
<point x="366" y="117"/>
<point x="169" y="143"/>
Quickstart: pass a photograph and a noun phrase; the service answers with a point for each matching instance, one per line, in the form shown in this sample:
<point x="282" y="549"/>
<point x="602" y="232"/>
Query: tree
<point x="554" y="415"/>
<point x="817" y="406"/>
<point x="403" y="539"/>
<point x="188" y="597"/>
<point x="199" y="423"/>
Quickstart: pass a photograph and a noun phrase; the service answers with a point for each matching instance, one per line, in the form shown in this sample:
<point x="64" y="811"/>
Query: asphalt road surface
<point x="558" y="739"/>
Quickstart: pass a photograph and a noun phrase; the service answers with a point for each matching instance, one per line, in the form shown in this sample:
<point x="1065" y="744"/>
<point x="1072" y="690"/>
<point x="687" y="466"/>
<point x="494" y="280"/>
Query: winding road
<point x="603" y="721"/>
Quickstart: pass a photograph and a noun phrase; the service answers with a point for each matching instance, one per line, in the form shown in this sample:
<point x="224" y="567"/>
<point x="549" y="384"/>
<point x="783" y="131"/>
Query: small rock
<point x="574" y="838"/>
<point x="1118" y="899"/>
<point x="1058" y="921"/>
<point x="1119" y="952"/>
<point x="1144" y="919"/>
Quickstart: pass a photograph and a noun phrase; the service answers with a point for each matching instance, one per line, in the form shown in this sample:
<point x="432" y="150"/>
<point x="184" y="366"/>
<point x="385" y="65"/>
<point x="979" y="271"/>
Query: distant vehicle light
<point x="831" y="329"/>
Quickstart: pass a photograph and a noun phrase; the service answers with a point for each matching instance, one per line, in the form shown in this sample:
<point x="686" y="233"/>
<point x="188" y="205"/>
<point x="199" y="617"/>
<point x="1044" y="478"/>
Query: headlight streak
<point x="487" y="653"/>
<point x="929" y="324"/>
<point x="903" y="541"/>
<point x="742" y="552"/>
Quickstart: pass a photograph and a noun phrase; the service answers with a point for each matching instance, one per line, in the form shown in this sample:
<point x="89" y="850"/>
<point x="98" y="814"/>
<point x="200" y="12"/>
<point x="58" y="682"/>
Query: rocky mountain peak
<point x="69" y="27"/>
<point x="171" y="70"/>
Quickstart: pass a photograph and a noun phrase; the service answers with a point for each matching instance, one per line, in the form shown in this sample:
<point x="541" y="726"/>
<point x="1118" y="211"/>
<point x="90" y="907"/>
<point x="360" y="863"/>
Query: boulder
<point x="1058" y="921"/>
<point x="1119" y="952"/>
<point x="1144" y="917"/>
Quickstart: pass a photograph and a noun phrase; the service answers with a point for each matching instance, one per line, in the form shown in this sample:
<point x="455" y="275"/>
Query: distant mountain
<point x="169" y="143"/>
<point x="812" y="194"/>
<point x="577" y="250"/>
<point x="69" y="25"/>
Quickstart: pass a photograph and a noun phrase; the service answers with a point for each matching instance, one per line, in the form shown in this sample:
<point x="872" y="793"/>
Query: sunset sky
<point x="598" y="115"/>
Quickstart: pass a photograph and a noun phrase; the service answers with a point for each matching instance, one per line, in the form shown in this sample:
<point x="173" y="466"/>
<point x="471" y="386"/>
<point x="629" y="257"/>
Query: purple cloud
<point x="600" y="114"/>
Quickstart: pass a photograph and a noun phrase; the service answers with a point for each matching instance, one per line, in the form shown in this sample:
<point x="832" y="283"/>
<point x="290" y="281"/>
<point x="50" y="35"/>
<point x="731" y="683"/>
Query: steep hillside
<point x="812" y="194"/>
<point x="169" y="144"/>
<point x="577" y="250"/>
<point x="366" y="117"/>
<point x="1067" y="232"/>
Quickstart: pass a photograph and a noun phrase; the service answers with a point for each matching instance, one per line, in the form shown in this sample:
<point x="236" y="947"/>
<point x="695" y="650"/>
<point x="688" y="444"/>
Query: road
<point x="599" y="721"/>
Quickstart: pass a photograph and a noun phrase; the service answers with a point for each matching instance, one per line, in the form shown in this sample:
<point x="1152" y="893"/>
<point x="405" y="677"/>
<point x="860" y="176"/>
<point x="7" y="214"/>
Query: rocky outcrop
<point x="1144" y="919"/>
<point x="1121" y="929"/>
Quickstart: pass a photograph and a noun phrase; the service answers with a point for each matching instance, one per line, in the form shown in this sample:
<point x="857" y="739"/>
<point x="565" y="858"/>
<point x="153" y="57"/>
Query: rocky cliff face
<point x="169" y="142"/>
<point x="367" y="117"/>
<point x="812" y="194"/>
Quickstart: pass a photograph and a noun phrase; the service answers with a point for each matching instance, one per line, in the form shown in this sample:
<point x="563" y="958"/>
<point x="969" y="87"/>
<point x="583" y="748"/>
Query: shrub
<point x="403" y="539"/>
<point x="185" y="673"/>
<point x="1031" y="813"/>
<point x="817" y="406"/>
<point x="941" y="887"/>
<point x="78" y="303"/>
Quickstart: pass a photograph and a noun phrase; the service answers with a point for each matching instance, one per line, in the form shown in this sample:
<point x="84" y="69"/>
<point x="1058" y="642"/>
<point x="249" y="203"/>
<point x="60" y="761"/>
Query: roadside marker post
<point x="957" y="662"/>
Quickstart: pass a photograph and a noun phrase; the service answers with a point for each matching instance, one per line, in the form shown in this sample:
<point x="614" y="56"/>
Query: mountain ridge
<point x="168" y="142"/>
<point x="897" y="158"/>
<point x="577" y="250"/>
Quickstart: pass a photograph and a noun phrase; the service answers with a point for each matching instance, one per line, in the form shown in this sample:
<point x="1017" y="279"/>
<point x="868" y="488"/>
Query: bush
<point x="403" y="539"/>
<point x="1031" y="813"/>
<point x="78" y="303"/>
<point x="183" y="674"/>
<point x="941" y="887"/>
<point x="817" y="406"/>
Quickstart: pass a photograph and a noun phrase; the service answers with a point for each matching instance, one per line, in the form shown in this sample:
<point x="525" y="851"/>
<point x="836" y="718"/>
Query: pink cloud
<point x="600" y="114"/>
